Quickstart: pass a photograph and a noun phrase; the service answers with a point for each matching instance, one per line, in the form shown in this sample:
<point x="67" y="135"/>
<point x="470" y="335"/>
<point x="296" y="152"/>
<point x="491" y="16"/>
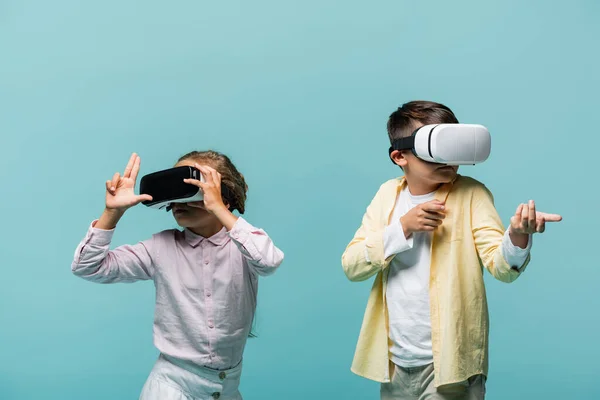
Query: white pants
<point x="174" y="380"/>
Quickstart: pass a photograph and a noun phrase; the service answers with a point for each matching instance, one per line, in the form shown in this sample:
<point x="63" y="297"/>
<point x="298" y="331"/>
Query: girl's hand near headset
<point x="120" y="194"/>
<point x="213" y="200"/>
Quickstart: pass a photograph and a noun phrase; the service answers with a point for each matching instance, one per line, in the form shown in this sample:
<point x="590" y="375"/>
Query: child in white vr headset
<point x="206" y="275"/>
<point x="426" y="237"/>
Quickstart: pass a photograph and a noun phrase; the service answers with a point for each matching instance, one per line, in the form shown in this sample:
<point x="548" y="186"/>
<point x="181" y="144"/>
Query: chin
<point x="198" y="218"/>
<point x="446" y="176"/>
<point x="183" y="222"/>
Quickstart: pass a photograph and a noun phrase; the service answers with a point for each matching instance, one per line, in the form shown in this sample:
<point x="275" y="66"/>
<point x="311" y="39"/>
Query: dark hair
<point x="413" y="114"/>
<point x="231" y="178"/>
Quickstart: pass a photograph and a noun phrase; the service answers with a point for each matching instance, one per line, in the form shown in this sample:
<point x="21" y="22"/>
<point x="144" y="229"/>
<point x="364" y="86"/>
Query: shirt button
<point x="222" y="375"/>
<point x="216" y="395"/>
<point x="208" y="294"/>
<point x="206" y="262"/>
<point x="213" y="355"/>
<point x="211" y="325"/>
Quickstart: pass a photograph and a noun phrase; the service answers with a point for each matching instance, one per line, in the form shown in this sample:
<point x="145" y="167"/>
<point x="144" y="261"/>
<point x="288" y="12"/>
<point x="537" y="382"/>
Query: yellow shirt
<point x="469" y="239"/>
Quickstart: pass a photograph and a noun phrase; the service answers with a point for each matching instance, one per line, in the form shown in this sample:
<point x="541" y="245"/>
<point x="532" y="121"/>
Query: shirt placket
<point x="207" y="278"/>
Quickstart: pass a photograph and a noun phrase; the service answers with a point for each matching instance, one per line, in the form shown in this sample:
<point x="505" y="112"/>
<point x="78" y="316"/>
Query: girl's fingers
<point x="136" y="168"/>
<point x="115" y="181"/>
<point x="143" y="197"/>
<point x="205" y="173"/>
<point x="129" y="166"/>
<point x="216" y="176"/>
<point x="108" y="186"/>
<point x="196" y="183"/>
<point x="209" y="168"/>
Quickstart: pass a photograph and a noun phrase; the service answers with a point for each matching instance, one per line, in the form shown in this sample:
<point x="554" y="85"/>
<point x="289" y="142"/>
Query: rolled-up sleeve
<point x="257" y="247"/>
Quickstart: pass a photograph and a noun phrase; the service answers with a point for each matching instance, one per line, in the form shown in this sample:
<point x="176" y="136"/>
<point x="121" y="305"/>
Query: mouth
<point x="180" y="211"/>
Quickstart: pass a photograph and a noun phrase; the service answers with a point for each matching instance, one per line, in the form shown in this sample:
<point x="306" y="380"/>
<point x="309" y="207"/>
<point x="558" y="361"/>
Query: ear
<point x="399" y="158"/>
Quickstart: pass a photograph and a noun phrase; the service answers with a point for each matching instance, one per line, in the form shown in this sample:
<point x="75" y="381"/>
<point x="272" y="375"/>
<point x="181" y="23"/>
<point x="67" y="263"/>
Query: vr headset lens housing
<point x="452" y="144"/>
<point x="168" y="187"/>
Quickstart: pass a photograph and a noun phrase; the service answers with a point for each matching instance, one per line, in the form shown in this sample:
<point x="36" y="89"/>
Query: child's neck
<point x="208" y="230"/>
<point x="420" y="188"/>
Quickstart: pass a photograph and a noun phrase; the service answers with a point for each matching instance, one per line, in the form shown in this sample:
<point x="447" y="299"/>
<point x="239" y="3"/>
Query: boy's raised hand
<point x="120" y="193"/>
<point x="527" y="220"/>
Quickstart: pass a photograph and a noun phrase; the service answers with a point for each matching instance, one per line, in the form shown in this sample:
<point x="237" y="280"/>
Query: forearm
<point x="226" y="217"/>
<point x="364" y="257"/>
<point x="94" y="261"/>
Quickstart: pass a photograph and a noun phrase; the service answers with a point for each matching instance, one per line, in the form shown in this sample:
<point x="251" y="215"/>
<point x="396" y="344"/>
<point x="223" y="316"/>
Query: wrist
<point x="518" y="239"/>
<point x="225" y="216"/>
<point x="114" y="211"/>
<point x="219" y="209"/>
<point x="109" y="218"/>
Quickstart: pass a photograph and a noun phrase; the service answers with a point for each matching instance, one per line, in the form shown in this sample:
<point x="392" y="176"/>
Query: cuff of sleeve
<point x="514" y="255"/>
<point x="394" y="241"/>
<point x="241" y="229"/>
<point x="241" y="233"/>
<point x="99" y="237"/>
<point x="374" y="248"/>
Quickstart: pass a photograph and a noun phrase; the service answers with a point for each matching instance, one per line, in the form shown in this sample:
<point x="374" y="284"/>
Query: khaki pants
<point x="417" y="384"/>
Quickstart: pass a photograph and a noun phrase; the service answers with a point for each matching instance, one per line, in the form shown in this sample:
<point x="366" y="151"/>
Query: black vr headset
<point x="167" y="187"/>
<point x="452" y="144"/>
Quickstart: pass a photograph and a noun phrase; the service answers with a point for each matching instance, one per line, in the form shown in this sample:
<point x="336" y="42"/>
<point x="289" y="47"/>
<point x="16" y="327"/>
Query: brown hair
<point x="231" y="178"/>
<point x="411" y="115"/>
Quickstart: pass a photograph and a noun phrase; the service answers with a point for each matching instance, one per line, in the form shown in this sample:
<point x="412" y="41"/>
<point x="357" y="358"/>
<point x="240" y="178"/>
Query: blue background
<point x="298" y="94"/>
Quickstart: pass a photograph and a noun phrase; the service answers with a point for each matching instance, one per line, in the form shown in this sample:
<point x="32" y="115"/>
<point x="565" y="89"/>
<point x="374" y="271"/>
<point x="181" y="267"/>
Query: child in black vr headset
<point x="427" y="236"/>
<point x="206" y="277"/>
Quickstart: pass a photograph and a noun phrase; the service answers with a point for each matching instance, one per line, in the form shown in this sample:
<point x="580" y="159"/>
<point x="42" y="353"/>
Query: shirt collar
<point x="218" y="239"/>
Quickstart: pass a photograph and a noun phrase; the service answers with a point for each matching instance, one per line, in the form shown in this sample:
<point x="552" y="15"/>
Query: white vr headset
<point x="452" y="144"/>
